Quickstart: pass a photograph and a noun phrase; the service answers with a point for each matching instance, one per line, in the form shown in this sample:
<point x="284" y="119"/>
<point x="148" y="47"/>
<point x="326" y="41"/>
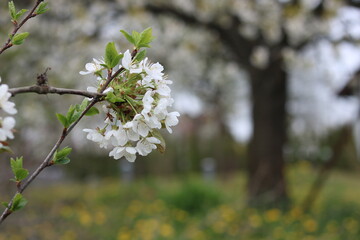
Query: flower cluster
<point x="136" y="107"/>
<point x="6" y="123"/>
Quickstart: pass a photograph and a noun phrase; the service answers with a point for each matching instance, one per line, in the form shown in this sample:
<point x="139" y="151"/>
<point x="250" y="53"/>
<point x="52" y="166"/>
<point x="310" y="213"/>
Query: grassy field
<point x="185" y="208"/>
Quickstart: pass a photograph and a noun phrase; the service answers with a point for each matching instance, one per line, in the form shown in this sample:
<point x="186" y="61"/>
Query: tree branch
<point x="45" y="89"/>
<point x="237" y="45"/>
<point x="31" y="14"/>
<point x="47" y="161"/>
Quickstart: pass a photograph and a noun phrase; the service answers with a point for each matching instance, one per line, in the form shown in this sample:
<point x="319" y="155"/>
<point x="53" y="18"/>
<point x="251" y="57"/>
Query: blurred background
<point x="268" y="144"/>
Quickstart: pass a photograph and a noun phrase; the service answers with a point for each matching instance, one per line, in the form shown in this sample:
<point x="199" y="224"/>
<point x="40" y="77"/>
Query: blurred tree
<point x="260" y="36"/>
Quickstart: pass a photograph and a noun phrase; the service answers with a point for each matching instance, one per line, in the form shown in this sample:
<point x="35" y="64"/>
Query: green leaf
<point x="18" y="203"/>
<point x="16" y="163"/>
<point x="83" y="104"/>
<point x="136" y="37"/>
<point x="145" y="38"/>
<point x="63" y="152"/>
<point x="12" y="10"/>
<point x="113" y="99"/>
<point x="19" y="38"/>
<point x="128" y="36"/>
<point x="6" y="149"/>
<point x="17" y="168"/>
<point x="140" y="56"/>
<point x="63" y="120"/>
<point x="42" y="8"/>
<point x="62" y="161"/>
<point x="20" y="13"/>
<point x="116" y="60"/>
<point x="92" y="111"/>
<point x="5" y="204"/>
<point x="111" y="55"/>
<point x="21" y="174"/>
<point x="70" y="112"/>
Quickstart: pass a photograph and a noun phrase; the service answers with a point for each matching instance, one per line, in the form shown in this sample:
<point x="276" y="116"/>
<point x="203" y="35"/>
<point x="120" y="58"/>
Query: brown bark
<point x="266" y="168"/>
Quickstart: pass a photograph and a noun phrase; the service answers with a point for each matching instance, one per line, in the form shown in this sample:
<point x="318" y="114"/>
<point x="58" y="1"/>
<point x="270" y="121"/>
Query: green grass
<point x="183" y="209"/>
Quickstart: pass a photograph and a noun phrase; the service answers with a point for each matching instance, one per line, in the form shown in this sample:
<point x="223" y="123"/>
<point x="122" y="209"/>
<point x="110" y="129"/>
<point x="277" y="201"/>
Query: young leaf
<point x="18" y="203"/>
<point x="70" y="112"/>
<point x="63" y="161"/>
<point x="140" y="56"/>
<point x="113" y="99"/>
<point x="42" y="8"/>
<point x="92" y="111"/>
<point x="21" y="174"/>
<point x="17" y="168"/>
<point x="136" y="37"/>
<point x="63" y="120"/>
<point x="12" y="10"/>
<point x="83" y="104"/>
<point x="16" y="163"/>
<point x="145" y="38"/>
<point x="19" y="38"/>
<point x="116" y="60"/>
<point x="5" y="204"/>
<point x="111" y="55"/>
<point x="63" y="152"/>
<point x="20" y="13"/>
<point x="128" y="36"/>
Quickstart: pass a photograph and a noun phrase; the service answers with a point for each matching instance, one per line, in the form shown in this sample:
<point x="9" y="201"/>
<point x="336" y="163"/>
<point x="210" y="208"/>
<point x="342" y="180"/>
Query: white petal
<point x="126" y="61"/>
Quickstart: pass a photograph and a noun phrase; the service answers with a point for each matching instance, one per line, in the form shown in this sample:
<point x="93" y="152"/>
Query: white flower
<point x="107" y="90"/>
<point x="147" y="103"/>
<point x="93" y="67"/>
<point x="131" y="134"/>
<point x="140" y="126"/>
<point x="171" y="120"/>
<point x="146" y="145"/>
<point x="95" y="136"/>
<point x="117" y="137"/>
<point x="128" y="152"/>
<point x="163" y="90"/>
<point x="126" y="61"/>
<point x="6" y="128"/>
<point x="5" y="104"/>
<point x="162" y="105"/>
<point x="155" y="71"/>
<point x="154" y="122"/>
<point x="138" y="68"/>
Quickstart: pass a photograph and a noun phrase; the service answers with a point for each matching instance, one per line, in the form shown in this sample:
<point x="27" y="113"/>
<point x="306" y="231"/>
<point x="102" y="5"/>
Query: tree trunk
<point x="266" y="180"/>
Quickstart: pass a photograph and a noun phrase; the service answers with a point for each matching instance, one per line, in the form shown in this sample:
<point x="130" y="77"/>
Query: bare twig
<point x="31" y="14"/>
<point x="45" y="89"/>
<point x="47" y="161"/>
<point x="325" y="170"/>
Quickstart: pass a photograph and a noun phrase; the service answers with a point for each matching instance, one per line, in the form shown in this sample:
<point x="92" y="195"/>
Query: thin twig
<point x="45" y="89"/>
<point x="31" y="14"/>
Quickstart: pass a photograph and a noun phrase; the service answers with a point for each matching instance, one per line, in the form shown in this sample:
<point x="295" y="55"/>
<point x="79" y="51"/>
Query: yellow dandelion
<point x="310" y="225"/>
<point x="351" y="225"/>
<point x="124" y="235"/>
<point x="272" y="215"/>
<point x="84" y="218"/>
<point x="166" y="230"/>
<point x="295" y="213"/>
